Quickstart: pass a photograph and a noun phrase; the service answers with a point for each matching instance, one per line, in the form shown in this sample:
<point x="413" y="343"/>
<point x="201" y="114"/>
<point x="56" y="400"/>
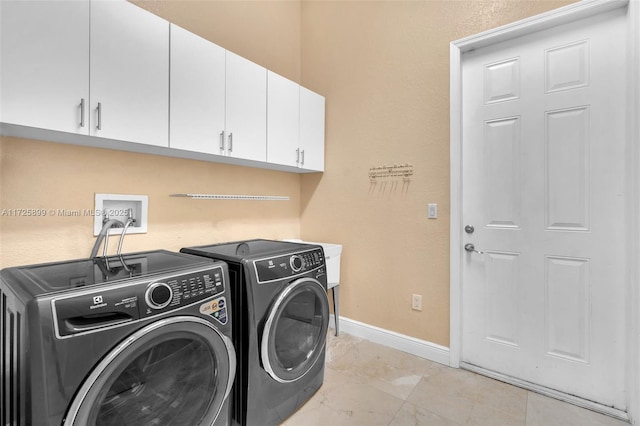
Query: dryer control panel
<point x="289" y="265"/>
<point x="97" y="307"/>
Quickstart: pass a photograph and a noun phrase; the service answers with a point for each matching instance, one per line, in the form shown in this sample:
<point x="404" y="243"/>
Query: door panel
<point x="567" y="301"/>
<point x="567" y="169"/>
<point x="502" y="270"/>
<point x="543" y="152"/>
<point x="502" y="159"/>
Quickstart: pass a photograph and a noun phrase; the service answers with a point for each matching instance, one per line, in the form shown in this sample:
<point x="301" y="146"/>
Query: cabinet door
<point x="129" y="73"/>
<point x="283" y="120"/>
<point x="311" y="130"/>
<point x="197" y="99"/>
<point x="44" y="52"/>
<point x="246" y="109"/>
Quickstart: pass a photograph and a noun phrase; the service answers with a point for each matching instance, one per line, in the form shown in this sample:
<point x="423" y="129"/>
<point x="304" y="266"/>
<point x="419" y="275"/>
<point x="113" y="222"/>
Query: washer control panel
<point x="92" y="309"/>
<point x="182" y="290"/>
<point x="289" y="265"/>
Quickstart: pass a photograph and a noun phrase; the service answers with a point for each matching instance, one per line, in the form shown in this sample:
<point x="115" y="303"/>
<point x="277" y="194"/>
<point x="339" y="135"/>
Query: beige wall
<point x="44" y="175"/>
<point x="384" y="69"/>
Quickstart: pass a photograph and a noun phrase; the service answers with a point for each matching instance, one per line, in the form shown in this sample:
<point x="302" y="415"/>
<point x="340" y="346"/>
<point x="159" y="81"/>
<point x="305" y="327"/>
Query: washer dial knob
<point x="158" y="295"/>
<point x="296" y="263"/>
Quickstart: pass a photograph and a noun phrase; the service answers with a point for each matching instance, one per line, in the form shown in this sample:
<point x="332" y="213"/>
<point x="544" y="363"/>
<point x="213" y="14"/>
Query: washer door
<point x="176" y="371"/>
<point x="294" y="334"/>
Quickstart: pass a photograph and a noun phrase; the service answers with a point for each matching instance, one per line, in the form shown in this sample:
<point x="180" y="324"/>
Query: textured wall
<point x="384" y="68"/>
<point x="44" y="175"/>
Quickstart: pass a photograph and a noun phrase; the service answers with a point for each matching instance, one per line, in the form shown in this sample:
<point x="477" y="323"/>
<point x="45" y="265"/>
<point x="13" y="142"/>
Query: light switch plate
<point x="432" y="211"/>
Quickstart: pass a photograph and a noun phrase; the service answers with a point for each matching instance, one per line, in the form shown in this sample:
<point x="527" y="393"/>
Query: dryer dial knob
<point x="158" y="295"/>
<point x="296" y="263"/>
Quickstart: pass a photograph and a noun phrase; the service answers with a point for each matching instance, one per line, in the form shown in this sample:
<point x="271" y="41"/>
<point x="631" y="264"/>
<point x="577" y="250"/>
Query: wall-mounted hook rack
<point x="397" y="171"/>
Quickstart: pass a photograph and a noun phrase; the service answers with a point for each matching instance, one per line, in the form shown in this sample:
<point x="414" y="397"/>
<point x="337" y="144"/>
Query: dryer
<point x="281" y="316"/>
<point x="139" y="339"/>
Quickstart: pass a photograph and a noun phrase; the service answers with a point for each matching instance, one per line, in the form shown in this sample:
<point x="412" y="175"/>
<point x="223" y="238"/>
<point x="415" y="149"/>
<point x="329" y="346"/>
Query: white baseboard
<point x="421" y="348"/>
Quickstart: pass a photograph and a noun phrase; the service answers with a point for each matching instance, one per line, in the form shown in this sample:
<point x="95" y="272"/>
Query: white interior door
<point x="544" y="187"/>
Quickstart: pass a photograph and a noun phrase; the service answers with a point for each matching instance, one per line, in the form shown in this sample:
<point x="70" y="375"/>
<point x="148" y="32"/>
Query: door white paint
<point x="544" y="184"/>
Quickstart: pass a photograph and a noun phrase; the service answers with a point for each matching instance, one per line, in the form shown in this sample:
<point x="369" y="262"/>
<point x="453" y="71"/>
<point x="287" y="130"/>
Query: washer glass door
<point x="294" y="334"/>
<point x="176" y="371"/>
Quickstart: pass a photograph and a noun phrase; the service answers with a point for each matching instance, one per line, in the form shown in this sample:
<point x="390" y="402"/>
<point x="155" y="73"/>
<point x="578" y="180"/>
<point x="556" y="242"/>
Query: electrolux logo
<point x="98" y="302"/>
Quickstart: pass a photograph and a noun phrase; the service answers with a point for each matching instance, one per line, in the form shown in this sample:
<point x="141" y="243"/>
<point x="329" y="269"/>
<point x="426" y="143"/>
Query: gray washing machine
<point x="139" y="339"/>
<point x="281" y="316"/>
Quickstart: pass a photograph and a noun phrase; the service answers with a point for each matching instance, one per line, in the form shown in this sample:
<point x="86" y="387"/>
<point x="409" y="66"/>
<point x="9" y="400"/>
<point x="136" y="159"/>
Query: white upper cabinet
<point x="311" y="130"/>
<point x="44" y="57"/>
<point x="295" y="125"/>
<point x="246" y="109"/>
<point x="129" y="73"/>
<point x="197" y="102"/>
<point x="283" y="118"/>
<point x="108" y="73"/>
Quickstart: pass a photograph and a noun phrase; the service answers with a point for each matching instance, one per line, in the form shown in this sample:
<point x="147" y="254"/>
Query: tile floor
<point x="370" y="384"/>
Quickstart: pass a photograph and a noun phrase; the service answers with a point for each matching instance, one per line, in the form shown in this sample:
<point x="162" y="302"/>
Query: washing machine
<point x="281" y="315"/>
<point x="139" y="339"/>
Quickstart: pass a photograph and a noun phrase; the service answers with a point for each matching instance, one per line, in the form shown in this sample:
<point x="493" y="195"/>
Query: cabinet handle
<point x="99" y="109"/>
<point x="302" y="157"/>
<point x="82" y="112"/>
<point x="298" y="156"/>
<point x="222" y="142"/>
<point x="231" y="142"/>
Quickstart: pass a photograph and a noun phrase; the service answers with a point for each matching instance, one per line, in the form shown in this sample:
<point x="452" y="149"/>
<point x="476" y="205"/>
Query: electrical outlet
<point x="416" y="302"/>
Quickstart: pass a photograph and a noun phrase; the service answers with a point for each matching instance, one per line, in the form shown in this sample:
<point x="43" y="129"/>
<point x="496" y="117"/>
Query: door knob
<point x="471" y="248"/>
<point x="469" y="229"/>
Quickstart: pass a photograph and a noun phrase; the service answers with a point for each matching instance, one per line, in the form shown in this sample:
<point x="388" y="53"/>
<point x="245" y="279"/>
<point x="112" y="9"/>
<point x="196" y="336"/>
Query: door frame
<point x="544" y="21"/>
